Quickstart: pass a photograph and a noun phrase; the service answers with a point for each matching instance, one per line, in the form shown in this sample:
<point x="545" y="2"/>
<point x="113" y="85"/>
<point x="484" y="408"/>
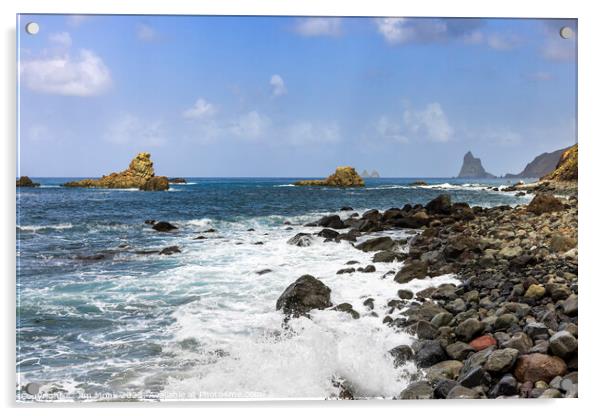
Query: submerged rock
<point x="303" y="295"/>
<point x="164" y="226"/>
<point x="376" y="244"/>
<point x="177" y="180"/>
<point x="301" y="240"/>
<point x="344" y="177"/>
<point x="168" y="251"/>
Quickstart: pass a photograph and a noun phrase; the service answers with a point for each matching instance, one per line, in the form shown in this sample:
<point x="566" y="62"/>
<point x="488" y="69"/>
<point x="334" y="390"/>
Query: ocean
<point x="102" y="316"/>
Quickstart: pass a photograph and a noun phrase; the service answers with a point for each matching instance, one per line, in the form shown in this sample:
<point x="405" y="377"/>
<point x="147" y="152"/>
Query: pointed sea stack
<point x="473" y="169"/>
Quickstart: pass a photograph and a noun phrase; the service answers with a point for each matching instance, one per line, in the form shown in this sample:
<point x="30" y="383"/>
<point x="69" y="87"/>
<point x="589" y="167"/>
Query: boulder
<point x="301" y="240"/>
<point x="401" y="354"/>
<point x="331" y="221"/>
<point x="415" y="269"/>
<point x="376" y="244"/>
<point x="418" y="390"/>
<point x="156" y="183"/>
<point x="388" y="256"/>
<point x="328" y="233"/>
<point x="461" y="392"/>
<point x="501" y="360"/>
<point x="303" y="295"/>
<point x="430" y="353"/>
<point x="26" y="182"/>
<point x="347" y="308"/>
<point x="440" y="205"/>
<point x="563" y="344"/>
<point x="344" y="177"/>
<point x="536" y="367"/>
<point x="449" y="369"/>
<point x="468" y="329"/>
<point x="544" y="202"/>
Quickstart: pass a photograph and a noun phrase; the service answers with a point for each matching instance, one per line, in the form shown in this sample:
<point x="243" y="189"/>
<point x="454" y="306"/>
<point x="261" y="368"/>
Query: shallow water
<point x="202" y="324"/>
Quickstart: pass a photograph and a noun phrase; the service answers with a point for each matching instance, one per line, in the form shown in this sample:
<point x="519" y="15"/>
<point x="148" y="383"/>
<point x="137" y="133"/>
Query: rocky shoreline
<point x="510" y="329"/>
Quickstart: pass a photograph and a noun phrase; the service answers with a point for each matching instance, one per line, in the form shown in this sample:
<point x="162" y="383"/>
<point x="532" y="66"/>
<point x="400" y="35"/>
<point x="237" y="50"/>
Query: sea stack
<point x="26" y="182"/>
<point x="344" y="177"/>
<point x="140" y="174"/>
<point x="473" y="169"/>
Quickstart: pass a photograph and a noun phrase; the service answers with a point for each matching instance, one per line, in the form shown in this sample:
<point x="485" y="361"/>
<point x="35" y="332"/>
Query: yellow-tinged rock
<point x="535" y="291"/>
<point x="343" y="177"/>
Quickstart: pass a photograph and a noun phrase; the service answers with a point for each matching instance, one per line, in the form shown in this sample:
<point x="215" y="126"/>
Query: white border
<point x="590" y="70"/>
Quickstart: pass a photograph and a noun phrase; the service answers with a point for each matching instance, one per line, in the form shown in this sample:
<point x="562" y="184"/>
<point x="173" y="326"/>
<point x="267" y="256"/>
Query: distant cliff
<point x="540" y="166"/>
<point x="373" y="174"/>
<point x="567" y="169"/>
<point x="473" y="169"/>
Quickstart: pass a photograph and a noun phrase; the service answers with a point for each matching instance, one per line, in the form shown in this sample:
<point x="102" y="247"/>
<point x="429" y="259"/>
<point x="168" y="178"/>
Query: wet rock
<point x="536" y="367"/>
<point x="443" y="387"/>
<point x="563" y="344"/>
<point x="401" y="354"/>
<point x="430" y="354"/>
<point x="346" y="270"/>
<point x="346" y="307"/>
<point x="368" y="269"/>
<point x="415" y="269"/>
<point x="475" y="377"/>
<point x="263" y="271"/>
<point x="424" y="330"/>
<point x="331" y="221"/>
<point x="405" y="294"/>
<point x="501" y="360"/>
<point x="328" y="233"/>
<point x="305" y="294"/>
<point x="346" y="208"/>
<point x="168" y="251"/>
<point x="376" y="244"/>
<point x="301" y="240"/>
<point x="91" y="257"/>
<point x="164" y="226"/>
<point x="417" y="391"/>
<point x="369" y="303"/>
<point x="388" y="257"/>
<point x="442" y="319"/>
<point x="536" y="330"/>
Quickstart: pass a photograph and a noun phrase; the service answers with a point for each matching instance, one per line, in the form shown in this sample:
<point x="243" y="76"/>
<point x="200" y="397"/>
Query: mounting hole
<point x="566" y="32"/>
<point x="32" y="28"/>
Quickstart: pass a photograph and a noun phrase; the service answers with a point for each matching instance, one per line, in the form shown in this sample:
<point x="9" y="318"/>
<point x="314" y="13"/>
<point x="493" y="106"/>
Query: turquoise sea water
<point x="201" y="323"/>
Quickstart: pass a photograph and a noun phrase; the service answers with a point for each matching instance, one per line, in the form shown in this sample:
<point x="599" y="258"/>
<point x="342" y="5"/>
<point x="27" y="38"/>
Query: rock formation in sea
<point x="473" y="169"/>
<point x="567" y="167"/>
<point x="140" y="174"/>
<point x="176" y="180"/>
<point x="373" y="174"/>
<point x="344" y="177"/>
<point x="25" y="181"/>
<point x="540" y="166"/>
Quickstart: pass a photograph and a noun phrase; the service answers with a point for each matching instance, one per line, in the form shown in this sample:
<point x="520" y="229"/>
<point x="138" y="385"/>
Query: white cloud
<point x="251" y="125"/>
<point x="146" y="33"/>
<point x="391" y="130"/>
<point x="278" y="87"/>
<point x="429" y="124"/>
<point x="76" y="20"/>
<point x="559" y="50"/>
<point x="62" y="39"/>
<point x="503" y="42"/>
<point x="82" y="75"/>
<point x="398" y="30"/>
<point x="319" y="26"/>
<point x="130" y="129"/>
<point x="474" y="38"/>
<point x="303" y="133"/>
<point x="201" y="109"/>
<point x="501" y="136"/>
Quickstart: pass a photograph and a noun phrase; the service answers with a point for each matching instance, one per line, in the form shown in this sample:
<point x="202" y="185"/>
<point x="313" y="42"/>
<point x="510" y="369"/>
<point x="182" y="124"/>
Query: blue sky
<point x="292" y="96"/>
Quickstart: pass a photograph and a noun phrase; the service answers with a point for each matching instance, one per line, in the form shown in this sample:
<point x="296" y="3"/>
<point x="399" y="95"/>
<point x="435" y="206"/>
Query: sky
<point x="220" y="96"/>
